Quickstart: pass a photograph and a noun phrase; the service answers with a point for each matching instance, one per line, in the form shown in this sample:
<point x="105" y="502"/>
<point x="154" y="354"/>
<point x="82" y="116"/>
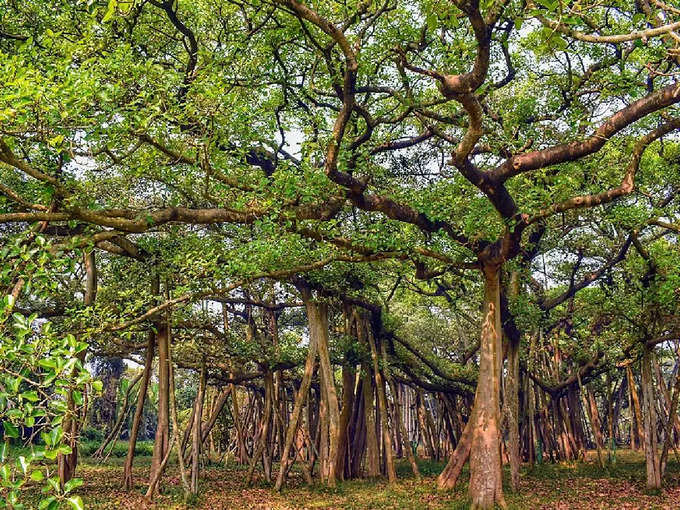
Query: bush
<point x="93" y="434"/>
<point x="142" y="448"/>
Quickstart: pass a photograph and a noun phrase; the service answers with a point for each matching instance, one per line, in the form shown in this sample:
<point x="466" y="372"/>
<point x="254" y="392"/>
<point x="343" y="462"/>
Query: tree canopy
<point x="462" y="198"/>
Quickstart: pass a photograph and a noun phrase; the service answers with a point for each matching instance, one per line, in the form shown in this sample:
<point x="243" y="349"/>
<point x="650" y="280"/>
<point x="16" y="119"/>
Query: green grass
<point x="142" y="448"/>
<point x="574" y="485"/>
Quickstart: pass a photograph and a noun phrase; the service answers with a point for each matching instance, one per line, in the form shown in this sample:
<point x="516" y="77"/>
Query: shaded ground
<point x="578" y="485"/>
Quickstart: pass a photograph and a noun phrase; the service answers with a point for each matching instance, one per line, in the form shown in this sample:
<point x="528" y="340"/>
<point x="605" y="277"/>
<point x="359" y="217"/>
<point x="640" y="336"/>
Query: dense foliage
<point x="333" y="217"/>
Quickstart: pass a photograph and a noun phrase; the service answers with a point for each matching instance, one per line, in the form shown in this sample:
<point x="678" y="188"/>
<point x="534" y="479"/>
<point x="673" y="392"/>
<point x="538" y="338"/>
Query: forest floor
<point x="576" y="485"/>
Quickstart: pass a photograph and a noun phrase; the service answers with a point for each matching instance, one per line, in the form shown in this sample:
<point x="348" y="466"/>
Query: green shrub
<point x="93" y="434"/>
<point x="142" y="448"/>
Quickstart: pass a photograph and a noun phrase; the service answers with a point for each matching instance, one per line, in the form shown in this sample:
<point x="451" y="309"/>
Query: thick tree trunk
<point x="372" y="460"/>
<point x="649" y="413"/>
<point x="348" y="378"/>
<point x="486" y="488"/>
<point x="357" y="433"/>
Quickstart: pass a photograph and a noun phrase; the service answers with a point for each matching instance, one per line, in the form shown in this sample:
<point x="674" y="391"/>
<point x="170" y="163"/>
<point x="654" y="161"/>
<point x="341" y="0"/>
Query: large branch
<point x="627" y="184"/>
<point x="573" y="151"/>
<point x="609" y="39"/>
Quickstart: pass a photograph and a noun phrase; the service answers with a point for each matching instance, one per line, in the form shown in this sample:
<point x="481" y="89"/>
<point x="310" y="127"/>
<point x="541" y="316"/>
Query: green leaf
<point x="37" y="476"/>
<point x="31" y="396"/>
<point x="45" y="503"/>
<point x="110" y="11"/>
<point x="4" y="472"/>
<point x="10" y="429"/>
<point x="23" y="464"/>
<point x="73" y="483"/>
<point x="76" y="502"/>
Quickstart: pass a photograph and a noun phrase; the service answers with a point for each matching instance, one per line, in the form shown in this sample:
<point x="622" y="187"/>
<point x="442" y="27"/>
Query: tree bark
<point x="486" y="487"/>
<point x="649" y="413"/>
<point x="448" y="478"/>
<point x="424" y="429"/>
<point x="636" y="414"/>
<point x="197" y="439"/>
<point x="318" y="321"/>
<point x="297" y="409"/>
<point x="372" y="459"/>
<point x="403" y="434"/>
<point x="115" y="431"/>
<point x="348" y="378"/>
<point x="264" y="427"/>
<point x="139" y="411"/>
<point x="382" y="405"/>
<point x="67" y="464"/>
<point x="161" y="439"/>
<point x="511" y="395"/>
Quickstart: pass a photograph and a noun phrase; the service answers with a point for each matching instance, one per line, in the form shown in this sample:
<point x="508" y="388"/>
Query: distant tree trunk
<point x="139" y="411"/>
<point x="115" y="431"/>
<point x="348" y="378"/>
<point x="531" y="421"/>
<point x="160" y="446"/>
<point x="297" y="407"/>
<point x="636" y="414"/>
<point x="196" y="434"/>
<point x="594" y="418"/>
<point x="672" y="414"/>
<point x="403" y="434"/>
<point x="650" y="423"/>
<point x="424" y="429"/>
<point x="242" y="456"/>
<point x="67" y="464"/>
<point x="665" y="394"/>
<point x="372" y="459"/>
<point x="382" y="405"/>
<point x="217" y="407"/>
<point x="264" y="426"/>
<point x="318" y="321"/>
<point x="511" y="395"/>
